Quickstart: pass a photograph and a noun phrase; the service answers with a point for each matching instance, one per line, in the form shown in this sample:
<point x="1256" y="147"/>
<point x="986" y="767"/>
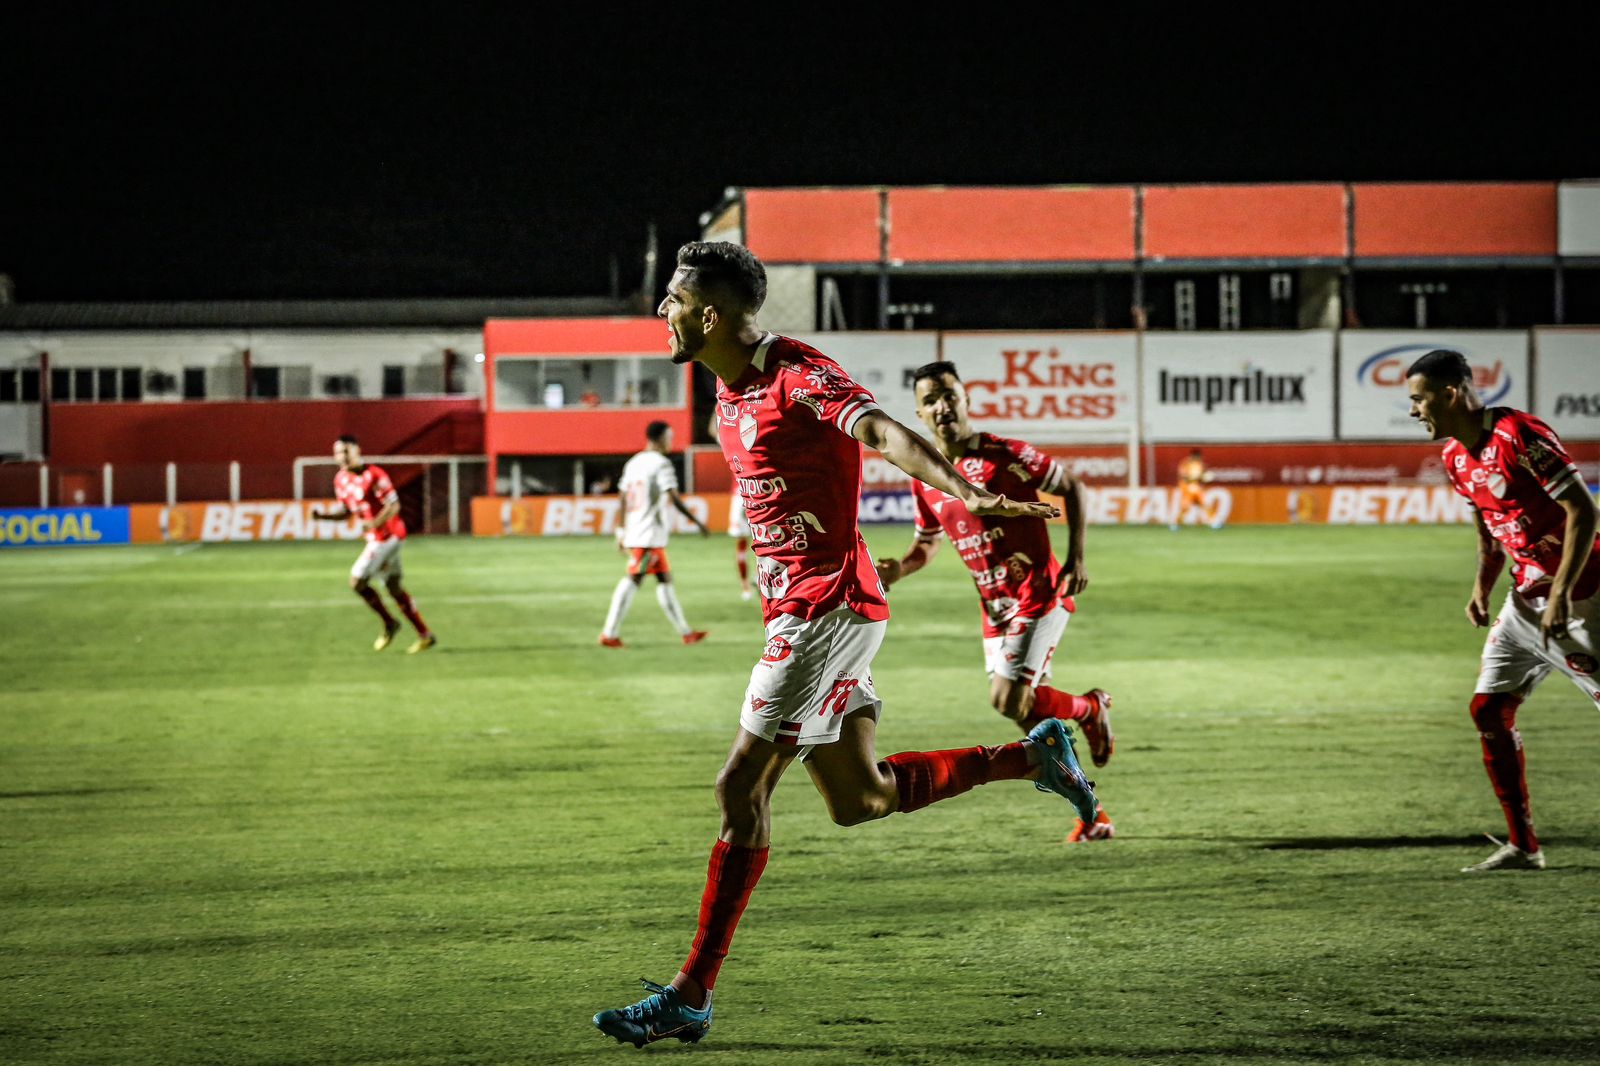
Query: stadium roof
<point x="306" y="314"/>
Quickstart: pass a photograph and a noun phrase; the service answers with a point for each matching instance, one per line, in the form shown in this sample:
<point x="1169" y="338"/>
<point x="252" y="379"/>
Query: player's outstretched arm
<point x="921" y="552"/>
<point x="1491" y="560"/>
<point x="683" y="509"/>
<point x="1074" y="577"/>
<point x="1575" y="549"/>
<point x="917" y="457"/>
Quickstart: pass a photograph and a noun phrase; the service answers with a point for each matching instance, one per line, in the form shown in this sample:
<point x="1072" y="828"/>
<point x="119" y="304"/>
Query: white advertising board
<point x="1239" y="386"/>
<point x="1567" y="389"/>
<point x="1372" y="386"/>
<point x="1046" y="388"/>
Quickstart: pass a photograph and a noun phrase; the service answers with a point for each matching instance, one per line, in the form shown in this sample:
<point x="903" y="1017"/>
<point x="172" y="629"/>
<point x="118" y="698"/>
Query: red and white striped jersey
<point x="364" y="493"/>
<point x="1511" y="476"/>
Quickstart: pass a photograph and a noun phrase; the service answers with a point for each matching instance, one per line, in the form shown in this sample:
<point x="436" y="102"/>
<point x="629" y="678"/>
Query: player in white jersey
<point x="739" y="529"/>
<point x="648" y="484"/>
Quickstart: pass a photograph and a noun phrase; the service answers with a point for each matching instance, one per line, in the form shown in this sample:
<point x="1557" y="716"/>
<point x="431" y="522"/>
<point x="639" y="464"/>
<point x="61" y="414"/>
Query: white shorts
<point x="1023" y="652"/>
<point x="1514" y="656"/>
<point x="810" y="676"/>
<point x="738" y="524"/>
<point x="381" y="558"/>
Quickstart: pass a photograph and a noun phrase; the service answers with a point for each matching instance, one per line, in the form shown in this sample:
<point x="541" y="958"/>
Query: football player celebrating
<point x="1025" y="596"/>
<point x="791" y="424"/>
<point x="365" y="491"/>
<point x="1530" y="504"/>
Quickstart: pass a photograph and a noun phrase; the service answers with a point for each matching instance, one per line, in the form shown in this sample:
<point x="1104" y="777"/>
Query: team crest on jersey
<point x="1496" y="485"/>
<point x="747" y="430"/>
<point x="1582" y="663"/>
<point x="776" y="651"/>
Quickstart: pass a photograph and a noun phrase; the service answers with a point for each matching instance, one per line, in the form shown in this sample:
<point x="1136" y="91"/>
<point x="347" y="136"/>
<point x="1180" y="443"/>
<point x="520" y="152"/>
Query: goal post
<point x="451" y="493"/>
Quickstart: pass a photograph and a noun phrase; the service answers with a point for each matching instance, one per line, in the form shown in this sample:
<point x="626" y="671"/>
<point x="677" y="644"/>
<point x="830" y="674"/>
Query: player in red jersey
<point x="1024" y="594"/>
<point x="1531" y="504"/>
<point x="792" y="424"/>
<point x="365" y="491"/>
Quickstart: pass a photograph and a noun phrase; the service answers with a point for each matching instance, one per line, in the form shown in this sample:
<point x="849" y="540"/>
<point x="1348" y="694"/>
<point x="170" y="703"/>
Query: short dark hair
<point x="934" y="370"/>
<point x="349" y="438"/>
<point x="1444" y="366"/>
<point x="656" y="430"/>
<point x="731" y="268"/>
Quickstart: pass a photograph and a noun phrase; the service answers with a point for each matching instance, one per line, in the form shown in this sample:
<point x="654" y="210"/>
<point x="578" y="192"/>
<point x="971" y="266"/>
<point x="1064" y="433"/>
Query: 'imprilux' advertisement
<point x="1238" y="387"/>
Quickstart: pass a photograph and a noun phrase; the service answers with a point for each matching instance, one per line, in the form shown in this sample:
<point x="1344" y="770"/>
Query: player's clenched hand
<point x="1073" y="579"/>
<point x="1478" y="611"/>
<point x="888" y="571"/>
<point x="1000" y="507"/>
<point x="1553" y="623"/>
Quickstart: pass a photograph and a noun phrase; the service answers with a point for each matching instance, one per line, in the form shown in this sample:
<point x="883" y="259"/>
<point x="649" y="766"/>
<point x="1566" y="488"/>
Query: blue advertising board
<point x="35" y="527"/>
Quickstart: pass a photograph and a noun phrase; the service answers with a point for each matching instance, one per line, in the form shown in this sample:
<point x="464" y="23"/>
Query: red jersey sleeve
<point x="822" y="387"/>
<point x="383" y="488"/>
<point x="1043" y="470"/>
<point x="1535" y="447"/>
<point x="927" y="523"/>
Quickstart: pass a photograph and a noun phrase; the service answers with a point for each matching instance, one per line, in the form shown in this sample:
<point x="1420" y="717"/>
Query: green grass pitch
<point x="231" y="833"/>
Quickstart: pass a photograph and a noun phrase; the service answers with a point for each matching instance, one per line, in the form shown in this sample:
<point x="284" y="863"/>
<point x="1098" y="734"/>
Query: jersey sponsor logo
<point x="977" y="540"/>
<point x="1024" y="475"/>
<point x="1461" y="462"/>
<point x="777" y="650"/>
<point x="1582" y="663"/>
<point x="838" y="698"/>
<point x="799" y="395"/>
<point x="747" y="430"/>
<point x="971" y="468"/>
<point x="751" y="487"/>
<point x="729" y="413"/>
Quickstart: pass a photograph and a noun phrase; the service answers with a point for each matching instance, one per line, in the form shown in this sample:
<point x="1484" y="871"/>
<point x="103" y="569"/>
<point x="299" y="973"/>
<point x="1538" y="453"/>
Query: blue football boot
<point x="656" y="1017"/>
<point x="1059" y="771"/>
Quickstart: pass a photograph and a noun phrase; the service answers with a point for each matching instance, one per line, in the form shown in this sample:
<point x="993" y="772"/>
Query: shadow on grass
<point x="1361" y="843"/>
<point x="55" y="793"/>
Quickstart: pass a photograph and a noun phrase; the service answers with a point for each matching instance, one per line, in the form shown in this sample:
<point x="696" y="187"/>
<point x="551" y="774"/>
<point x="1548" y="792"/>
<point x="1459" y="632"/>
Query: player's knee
<point x="1494" y="710"/>
<point x="1011" y="700"/>
<point x="359" y="584"/>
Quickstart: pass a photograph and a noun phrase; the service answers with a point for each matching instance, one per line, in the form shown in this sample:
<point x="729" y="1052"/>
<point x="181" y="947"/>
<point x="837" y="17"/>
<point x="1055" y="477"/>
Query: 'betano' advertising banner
<point x="584" y="516"/>
<point x="1373" y="404"/>
<point x="1567" y="393"/>
<point x="1239" y="386"/>
<point x="216" y="523"/>
<point x="33" y="527"/>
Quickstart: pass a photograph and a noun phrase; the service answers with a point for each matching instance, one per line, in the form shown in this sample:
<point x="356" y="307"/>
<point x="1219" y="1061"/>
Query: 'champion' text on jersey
<point x="785" y="430"/>
<point x="1511" y="477"/>
<point x="1010" y="559"/>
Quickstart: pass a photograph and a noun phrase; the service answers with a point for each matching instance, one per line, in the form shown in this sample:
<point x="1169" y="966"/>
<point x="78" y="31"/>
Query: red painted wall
<point x="261" y="431"/>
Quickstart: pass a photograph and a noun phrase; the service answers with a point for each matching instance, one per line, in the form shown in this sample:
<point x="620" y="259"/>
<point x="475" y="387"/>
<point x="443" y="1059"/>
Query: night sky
<point x="293" y="154"/>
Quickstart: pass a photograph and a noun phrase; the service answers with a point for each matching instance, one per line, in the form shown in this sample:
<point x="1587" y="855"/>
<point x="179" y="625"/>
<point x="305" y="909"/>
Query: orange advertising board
<point x="217" y="522"/>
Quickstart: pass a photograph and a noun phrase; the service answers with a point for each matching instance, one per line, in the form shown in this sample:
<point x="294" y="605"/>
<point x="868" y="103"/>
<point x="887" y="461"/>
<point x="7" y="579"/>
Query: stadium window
<point x="132" y="382"/>
<point x="394" y="380"/>
<point x="60" y="386"/>
<point x="194" y="383"/>
<point x="105" y="384"/>
<point x="83" y="385"/>
<point x="8" y="386"/>
<point x="266" y="382"/>
<point x="29" y="385"/>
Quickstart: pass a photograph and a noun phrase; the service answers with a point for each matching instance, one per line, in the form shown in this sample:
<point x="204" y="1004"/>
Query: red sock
<point x="730" y="878"/>
<point x="375" y="601"/>
<point x="408" y="607"/>
<point x="741" y="549"/>
<point x="1052" y="703"/>
<point x="924" y="777"/>
<point x="1495" y="715"/>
